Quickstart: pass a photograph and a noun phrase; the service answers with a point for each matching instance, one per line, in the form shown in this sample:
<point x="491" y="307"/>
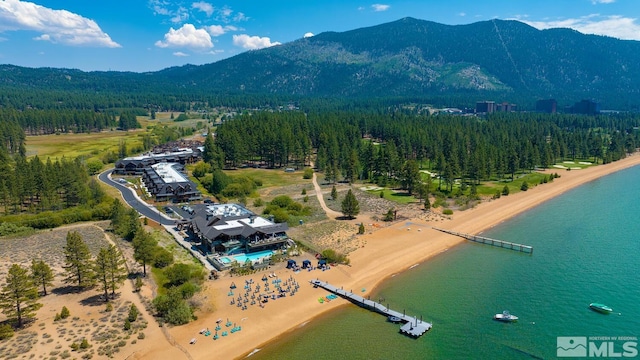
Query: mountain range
<point x="405" y="58"/>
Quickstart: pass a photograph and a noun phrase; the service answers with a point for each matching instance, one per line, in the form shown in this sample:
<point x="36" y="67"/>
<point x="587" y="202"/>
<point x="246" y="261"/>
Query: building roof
<point x="233" y="220"/>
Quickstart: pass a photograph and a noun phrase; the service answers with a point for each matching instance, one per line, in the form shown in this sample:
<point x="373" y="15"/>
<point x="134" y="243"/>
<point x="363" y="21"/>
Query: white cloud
<point x="463" y="14"/>
<point x="308" y="35"/>
<point x="180" y="54"/>
<point x="253" y="42"/>
<point x="217" y="30"/>
<point x="615" y="26"/>
<point x="204" y="7"/>
<point x="180" y="15"/>
<point x="186" y="37"/>
<point x="594" y="2"/>
<point x="380" y="7"/>
<point x="58" y="26"/>
<point x="240" y="17"/>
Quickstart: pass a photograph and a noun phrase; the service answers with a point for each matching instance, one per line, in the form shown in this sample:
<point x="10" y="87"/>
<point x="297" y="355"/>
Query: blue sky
<point x="149" y="35"/>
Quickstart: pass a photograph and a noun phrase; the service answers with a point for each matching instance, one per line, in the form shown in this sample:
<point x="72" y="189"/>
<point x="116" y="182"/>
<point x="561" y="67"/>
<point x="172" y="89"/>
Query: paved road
<point x="131" y="198"/>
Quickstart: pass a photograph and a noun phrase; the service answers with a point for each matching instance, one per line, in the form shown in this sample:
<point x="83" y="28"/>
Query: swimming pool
<point x="242" y="258"/>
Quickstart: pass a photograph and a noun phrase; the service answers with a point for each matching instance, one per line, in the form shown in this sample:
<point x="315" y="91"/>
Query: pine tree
<point x="19" y="295"/>
<point x="350" y="205"/>
<point x="144" y="247"/>
<point x="110" y="270"/>
<point x="334" y="193"/>
<point x="41" y="274"/>
<point x="77" y="261"/>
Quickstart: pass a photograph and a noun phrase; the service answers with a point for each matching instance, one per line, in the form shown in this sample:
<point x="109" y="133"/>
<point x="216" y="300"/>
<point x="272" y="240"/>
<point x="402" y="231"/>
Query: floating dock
<point x="413" y="326"/>
<point x="489" y="241"/>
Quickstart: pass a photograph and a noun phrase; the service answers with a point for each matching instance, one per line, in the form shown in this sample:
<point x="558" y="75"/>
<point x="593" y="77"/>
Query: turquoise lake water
<point x="586" y="249"/>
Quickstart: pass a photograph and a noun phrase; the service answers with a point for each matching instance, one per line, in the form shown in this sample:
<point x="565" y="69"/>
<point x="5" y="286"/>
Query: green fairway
<point x="74" y="145"/>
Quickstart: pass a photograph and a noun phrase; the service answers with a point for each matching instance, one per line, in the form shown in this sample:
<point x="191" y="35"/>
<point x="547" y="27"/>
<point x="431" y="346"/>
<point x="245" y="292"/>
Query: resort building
<point x="167" y="182"/>
<point x="136" y="165"/>
<point x="229" y="232"/>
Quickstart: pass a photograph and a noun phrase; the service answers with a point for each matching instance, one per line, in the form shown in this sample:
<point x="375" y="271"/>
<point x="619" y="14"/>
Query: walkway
<point x="330" y="213"/>
<point x="413" y="326"/>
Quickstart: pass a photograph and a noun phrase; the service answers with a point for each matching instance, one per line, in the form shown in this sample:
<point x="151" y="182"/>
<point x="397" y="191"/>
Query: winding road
<point x="130" y="197"/>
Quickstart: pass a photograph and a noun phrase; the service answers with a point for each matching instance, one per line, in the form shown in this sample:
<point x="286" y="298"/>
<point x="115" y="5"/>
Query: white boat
<point x="505" y="316"/>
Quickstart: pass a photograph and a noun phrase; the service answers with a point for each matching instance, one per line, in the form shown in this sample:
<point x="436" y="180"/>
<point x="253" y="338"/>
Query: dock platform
<point x="490" y="241"/>
<point x="412" y="327"/>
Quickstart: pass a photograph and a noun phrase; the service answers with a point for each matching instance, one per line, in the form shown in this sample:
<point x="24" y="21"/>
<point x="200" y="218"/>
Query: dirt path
<point x="330" y="213"/>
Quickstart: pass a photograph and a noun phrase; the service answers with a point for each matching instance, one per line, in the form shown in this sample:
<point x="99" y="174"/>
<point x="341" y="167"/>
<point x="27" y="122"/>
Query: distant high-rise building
<point x="506" y="107"/>
<point x="588" y="107"/>
<point x="547" y="106"/>
<point x="485" y="107"/>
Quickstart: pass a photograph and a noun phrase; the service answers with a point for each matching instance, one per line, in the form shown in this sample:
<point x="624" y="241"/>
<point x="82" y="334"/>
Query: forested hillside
<point x="409" y="58"/>
<point x="378" y="148"/>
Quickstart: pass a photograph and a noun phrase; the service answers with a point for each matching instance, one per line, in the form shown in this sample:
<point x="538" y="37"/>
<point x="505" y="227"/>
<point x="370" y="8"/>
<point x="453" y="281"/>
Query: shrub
<point x="305" y="199"/>
<point x="84" y="344"/>
<point x="75" y="346"/>
<point x="109" y="307"/>
<point x="140" y="336"/>
<point x="258" y="202"/>
<point x="361" y="229"/>
<point x="188" y="289"/>
<point x="64" y="313"/>
<point x="162" y="257"/>
<point x="57" y="317"/>
<point x="308" y="173"/>
<point x="505" y="190"/>
<point x="6" y="331"/>
<point x="178" y="274"/>
<point x="447" y="212"/>
<point x="334" y="257"/>
<point x="524" y="186"/>
<point x="389" y="215"/>
<point x="280" y="216"/>
<point x="133" y="313"/>
<point x="304" y="191"/>
<point x="127" y="324"/>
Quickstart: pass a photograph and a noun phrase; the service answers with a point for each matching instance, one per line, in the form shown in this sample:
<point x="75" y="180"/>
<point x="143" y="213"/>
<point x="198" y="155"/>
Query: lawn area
<point x="490" y="188"/>
<point x="400" y="197"/>
<point x="271" y="177"/>
<point x="74" y="145"/>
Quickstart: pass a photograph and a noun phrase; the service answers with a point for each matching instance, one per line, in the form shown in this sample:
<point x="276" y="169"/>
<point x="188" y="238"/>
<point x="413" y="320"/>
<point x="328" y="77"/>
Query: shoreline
<point x="387" y="252"/>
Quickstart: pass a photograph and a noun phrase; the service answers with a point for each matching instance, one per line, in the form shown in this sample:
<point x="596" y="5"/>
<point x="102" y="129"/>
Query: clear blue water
<point x="586" y="244"/>
<point x="242" y="258"/>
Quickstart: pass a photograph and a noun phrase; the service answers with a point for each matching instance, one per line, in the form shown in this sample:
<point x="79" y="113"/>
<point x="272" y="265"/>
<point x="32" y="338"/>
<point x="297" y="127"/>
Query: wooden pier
<point x="489" y="241"/>
<point x="413" y="326"/>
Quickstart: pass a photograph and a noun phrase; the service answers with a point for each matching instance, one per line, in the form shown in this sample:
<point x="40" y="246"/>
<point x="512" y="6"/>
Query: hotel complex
<point x="227" y="232"/>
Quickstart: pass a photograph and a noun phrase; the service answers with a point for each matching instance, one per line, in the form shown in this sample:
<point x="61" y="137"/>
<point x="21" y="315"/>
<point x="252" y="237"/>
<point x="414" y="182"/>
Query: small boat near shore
<point x="505" y="317"/>
<point x="601" y="308"/>
<point x="394" y="319"/>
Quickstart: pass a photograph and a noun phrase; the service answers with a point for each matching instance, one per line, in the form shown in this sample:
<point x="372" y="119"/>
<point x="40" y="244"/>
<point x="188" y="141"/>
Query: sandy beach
<point x="386" y="251"/>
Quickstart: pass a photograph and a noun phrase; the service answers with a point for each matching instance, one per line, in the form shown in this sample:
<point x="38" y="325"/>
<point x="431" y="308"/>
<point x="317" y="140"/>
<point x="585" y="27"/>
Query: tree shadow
<point x="66" y="290"/>
<point x="343" y="217"/>
<point x="97" y="300"/>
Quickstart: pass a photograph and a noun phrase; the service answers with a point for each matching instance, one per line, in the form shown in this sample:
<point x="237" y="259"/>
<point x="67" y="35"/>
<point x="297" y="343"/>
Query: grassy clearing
<point x="400" y="197"/>
<point x="272" y="177"/>
<point x="74" y="145"/>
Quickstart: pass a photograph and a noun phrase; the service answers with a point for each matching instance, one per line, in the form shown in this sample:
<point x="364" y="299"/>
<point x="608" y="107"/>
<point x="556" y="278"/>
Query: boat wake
<point x="253" y="352"/>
